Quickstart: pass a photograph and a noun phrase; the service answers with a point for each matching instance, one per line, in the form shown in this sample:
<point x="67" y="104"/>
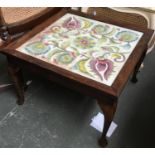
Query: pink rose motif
<point x="72" y="23"/>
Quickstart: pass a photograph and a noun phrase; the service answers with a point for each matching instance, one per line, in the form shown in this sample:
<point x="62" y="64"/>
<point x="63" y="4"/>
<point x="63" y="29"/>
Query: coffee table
<point x="85" y="53"/>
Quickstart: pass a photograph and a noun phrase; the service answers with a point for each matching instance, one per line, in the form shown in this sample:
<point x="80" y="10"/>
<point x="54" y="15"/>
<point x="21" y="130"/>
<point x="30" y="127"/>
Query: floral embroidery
<point x="84" y="42"/>
<point x="65" y="58"/>
<point x="87" y="24"/>
<point x="81" y="66"/>
<point x="55" y="29"/>
<point x="71" y="23"/>
<point x="90" y="48"/>
<point x="126" y="36"/>
<point x="100" y="29"/>
<point x="37" y="48"/>
<point x="102" y="68"/>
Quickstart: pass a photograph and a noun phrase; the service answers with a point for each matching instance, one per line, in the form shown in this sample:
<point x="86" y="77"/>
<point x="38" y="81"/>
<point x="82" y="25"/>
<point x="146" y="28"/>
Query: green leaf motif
<point x="81" y="66"/>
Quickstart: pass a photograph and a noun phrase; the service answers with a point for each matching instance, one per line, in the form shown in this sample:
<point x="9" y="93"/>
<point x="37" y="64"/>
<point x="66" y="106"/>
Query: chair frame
<point x="6" y="30"/>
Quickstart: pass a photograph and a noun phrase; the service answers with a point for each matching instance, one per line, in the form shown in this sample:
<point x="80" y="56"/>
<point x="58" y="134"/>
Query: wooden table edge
<point x="111" y="90"/>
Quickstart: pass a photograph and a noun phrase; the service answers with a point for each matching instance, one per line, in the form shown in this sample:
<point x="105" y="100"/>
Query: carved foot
<point x="108" y="108"/>
<point x="134" y="80"/>
<point x="103" y="142"/>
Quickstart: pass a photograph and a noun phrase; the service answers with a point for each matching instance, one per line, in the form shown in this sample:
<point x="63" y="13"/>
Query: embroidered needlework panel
<point x="93" y="49"/>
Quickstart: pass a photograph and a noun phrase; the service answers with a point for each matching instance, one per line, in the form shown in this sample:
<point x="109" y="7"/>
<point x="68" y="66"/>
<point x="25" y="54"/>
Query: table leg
<point x="16" y="75"/>
<point x="108" y="109"/>
<point x="136" y="70"/>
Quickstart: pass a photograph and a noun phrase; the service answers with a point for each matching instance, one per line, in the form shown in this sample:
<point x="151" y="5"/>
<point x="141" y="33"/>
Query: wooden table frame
<point x="107" y="96"/>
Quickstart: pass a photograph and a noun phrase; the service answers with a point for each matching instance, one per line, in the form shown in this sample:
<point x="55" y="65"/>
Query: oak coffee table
<point x="82" y="52"/>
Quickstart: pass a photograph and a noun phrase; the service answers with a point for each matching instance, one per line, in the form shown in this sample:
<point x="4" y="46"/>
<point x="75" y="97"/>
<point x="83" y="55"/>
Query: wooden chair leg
<point x="136" y="70"/>
<point x="16" y="75"/>
<point x="108" y="110"/>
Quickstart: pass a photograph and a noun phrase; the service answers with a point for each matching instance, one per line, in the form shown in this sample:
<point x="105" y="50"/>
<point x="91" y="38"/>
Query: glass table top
<point x="87" y="47"/>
